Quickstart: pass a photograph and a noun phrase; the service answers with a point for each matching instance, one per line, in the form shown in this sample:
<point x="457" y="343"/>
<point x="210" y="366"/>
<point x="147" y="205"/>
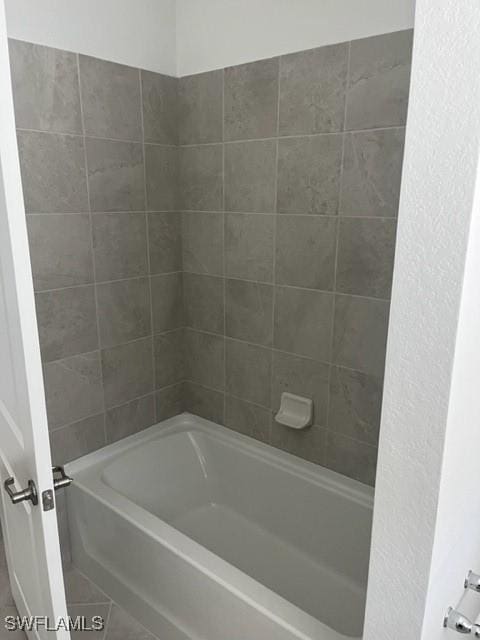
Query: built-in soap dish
<point x="295" y="412"/>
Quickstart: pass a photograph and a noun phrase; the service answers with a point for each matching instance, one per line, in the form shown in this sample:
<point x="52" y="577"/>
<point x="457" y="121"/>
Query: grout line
<point x="70" y="134"/>
<point x="77" y="570"/>
<point x="271" y="411"/>
<point x="228" y="393"/>
<point x="347" y="88"/>
<point x="301" y="356"/>
<point x="146" y="631"/>
<point x="297" y="135"/>
<point x="109" y="602"/>
<point x="291" y="286"/>
<point x="120" y="344"/>
<point x="71" y="424"/>
<point x="332" y="327"/>
<point x="224" y="256"/>
<point x="193" y="145"/>
<point x="147" y="234"/>
<point x="107" y="621"/>
<point x="148" y="143"/>
<point x="73" y="355"/>
<point x="104" y="282"/>
<point x="56" y="213"/>
<point x="167" y="386"/>
<point x="298" y="214"/>
<point x="206" y="276"/>
<point x="292" y="214"/>
<point x="116" y="406"/>
<point x="275" y="240"/>
<point x="92" y="245"/>
<point x="97" y="213"/>
<point x="92" y="137"/>
<point x="337" y="241"/>
<point x="184" y="400"/>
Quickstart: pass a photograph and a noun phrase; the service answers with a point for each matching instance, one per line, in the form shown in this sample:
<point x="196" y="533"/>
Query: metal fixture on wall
<point x="458" y="622"/>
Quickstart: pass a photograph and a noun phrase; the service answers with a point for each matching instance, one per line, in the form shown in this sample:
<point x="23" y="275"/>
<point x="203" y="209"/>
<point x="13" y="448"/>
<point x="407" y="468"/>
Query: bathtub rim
<point x="331" y="480"/>
<point x="242" y="585"/>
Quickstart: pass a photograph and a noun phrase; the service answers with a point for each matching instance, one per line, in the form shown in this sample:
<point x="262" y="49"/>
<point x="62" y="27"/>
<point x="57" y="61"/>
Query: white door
<point x="30" y="531"/>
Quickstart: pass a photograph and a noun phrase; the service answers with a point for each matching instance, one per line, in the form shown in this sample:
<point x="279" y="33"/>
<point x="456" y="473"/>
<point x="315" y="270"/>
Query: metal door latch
<point x="60" y="478"/>
<point x="30" y="493"/>
<point x="472" y="581"/>
<point x="48" y="501"/>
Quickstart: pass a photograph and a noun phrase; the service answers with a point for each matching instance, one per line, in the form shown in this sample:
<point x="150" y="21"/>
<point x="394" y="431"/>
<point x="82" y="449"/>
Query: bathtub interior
<point x="306" y="542"/>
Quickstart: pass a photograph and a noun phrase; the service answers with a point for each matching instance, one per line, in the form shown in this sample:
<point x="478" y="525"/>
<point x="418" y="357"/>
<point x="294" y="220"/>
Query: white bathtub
<point x="205" y="534"/>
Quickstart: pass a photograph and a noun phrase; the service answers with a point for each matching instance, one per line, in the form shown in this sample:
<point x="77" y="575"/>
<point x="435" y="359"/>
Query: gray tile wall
<point x="210" y="242"/>
<point x="98" y="155"/>
<point x="289" y="180"/>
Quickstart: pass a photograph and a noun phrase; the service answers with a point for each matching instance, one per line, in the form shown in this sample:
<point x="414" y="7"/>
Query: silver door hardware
<point x="455" y="620"/>
<point x="48" y="501"/>
<point x="472" y="581"/>
<point x="30" y="493"/>
<point x="60" y="478"/>
<point x="460" y="623"/>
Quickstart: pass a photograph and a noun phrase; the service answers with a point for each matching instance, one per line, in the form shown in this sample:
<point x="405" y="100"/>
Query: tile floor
<point x="83" y="599"/>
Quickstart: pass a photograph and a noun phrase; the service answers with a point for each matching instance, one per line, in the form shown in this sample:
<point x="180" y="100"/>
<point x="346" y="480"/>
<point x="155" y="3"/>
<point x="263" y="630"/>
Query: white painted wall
<point x="216" y="33"/>
<point x="140" y="33"/>
<point x="427" y="509"/>
<point x="457" y="535"/>
<point x="179" y="37"/>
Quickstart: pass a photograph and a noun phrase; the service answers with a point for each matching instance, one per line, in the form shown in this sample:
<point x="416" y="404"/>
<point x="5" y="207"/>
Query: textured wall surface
<point x="289" y="180"/>
<point x="427" y="521"/>
<point x="98" y="160"/>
